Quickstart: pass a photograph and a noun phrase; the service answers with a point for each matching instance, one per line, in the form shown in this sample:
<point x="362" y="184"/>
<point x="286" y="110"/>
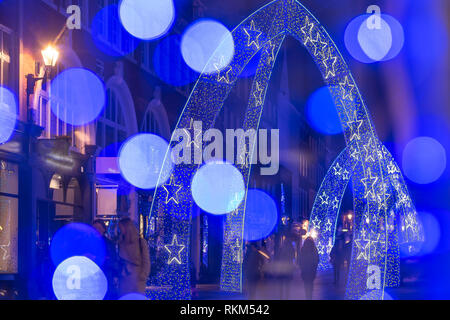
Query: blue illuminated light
<point x="261" y="215"/>
<point x="169" y="64"/>
<point x="146" y="19"/>
<point x="141" y="160"/>
<point x="322" y="114"/>
<point x="8" y="114"/>
<point x="77" y="239"/>
<point x="424" y="160"/>
<point x="77" y="96"/>
<point x="114" y="40"/>
<point x="373" y="45"/>
<point x="79" y="278"/>
<point x="133" y="296"/>
<point x="218" y="187"/>
<point x="207" y="46"/>
<point x="432" y="231"/>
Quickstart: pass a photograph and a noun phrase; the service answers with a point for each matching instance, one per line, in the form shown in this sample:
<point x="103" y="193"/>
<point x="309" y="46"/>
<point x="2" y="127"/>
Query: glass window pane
<point x="8" y="234"/>
<point x="9" y="178"/>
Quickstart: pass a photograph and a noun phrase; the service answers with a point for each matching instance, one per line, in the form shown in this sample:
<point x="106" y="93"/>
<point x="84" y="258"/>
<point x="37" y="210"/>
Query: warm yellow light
<point x="350" y="217"/>
<point x="50" y="55"/>
<point x="313" y="234"/>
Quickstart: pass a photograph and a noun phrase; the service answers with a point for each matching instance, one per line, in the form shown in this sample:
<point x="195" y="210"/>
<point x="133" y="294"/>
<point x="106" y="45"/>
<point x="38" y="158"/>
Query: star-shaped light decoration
<point x="383" y="200"/>
<point x="320" y="248"/>
<point x="335" y="203"/>
<point x="223" y="71"/>
<point x="253" y="35"/>
<point x="347" y="89"/>
<point x="354" y="126"/>
<point x="174" y="249"/>
<point x="324" y="198"/>
<point x="369" y="185"/>
<point x="316" y="223"/>
<point x="270" y="50"/>
<point x="345" y="174"/>
<point x="363" y="246"/>
<point x="337" y="169"/>
<point x="370" y="150"/>
<point x="329" y="62"/>
<point x="172" y="190"/>
<point x="193" y="132"/>
<point x="320" y="47"/>
<point x="307" y="30"/>
<point x="330" y="245"/>
<point x="257" y="94"/>
<point x="392" y="168"/>
<point x="328" y="225"/>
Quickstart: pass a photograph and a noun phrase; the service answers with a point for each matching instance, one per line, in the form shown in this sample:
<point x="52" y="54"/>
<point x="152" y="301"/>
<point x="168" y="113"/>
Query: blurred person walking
<point x="308" y="264"/>
<point x="110" y="266"/>
<point x="253" y="262"/>
<point x="337" y="256"/>
<point x="133" y="258"/>
<point x="285" y="266"/>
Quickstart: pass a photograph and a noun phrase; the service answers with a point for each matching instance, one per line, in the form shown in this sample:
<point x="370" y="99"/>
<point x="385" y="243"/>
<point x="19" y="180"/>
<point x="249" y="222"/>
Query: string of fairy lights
<point x="376" y="179"/>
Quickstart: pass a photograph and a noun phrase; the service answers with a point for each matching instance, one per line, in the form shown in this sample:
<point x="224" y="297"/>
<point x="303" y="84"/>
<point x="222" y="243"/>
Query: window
<point x="48" y="119"/>
<point x="5" y="57"/>
<point x="111" y="125"/>
<point x="150" y="123"/>
<point x="9" y="191"/>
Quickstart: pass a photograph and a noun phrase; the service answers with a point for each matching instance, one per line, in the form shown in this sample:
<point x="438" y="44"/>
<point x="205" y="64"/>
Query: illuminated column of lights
<point x="281" y="17"/>
<point x="231" y="269"/>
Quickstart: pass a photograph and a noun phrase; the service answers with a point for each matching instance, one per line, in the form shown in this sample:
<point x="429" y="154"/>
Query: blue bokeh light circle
<point x="261" y="215"/>
<point x="79" y="278"/>
<point x="169" y="64"/>
<point x="207" y="46"/>
<point x="77" y="96"/>
<point x="375" y="43"/>
<point x="218" y="187"/>
<point x="141" y="161"/>
<point x="8" y="114"/>
<point x="77" y="239"/>
<point x="103" y="37"/>
<point x="432" y="233"/>
<point x="369" y="46"/>
<point x="424" y="160"/>
<point x="133" y="296"/>
<point x="322" y="113"/>
<point x="146" y="19"/>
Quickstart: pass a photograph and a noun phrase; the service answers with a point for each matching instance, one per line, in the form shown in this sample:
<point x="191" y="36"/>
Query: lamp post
<point x="50" y="56"/>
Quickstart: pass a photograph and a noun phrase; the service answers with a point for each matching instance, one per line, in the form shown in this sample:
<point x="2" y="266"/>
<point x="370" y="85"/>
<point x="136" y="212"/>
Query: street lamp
<point x="50" y="56"/>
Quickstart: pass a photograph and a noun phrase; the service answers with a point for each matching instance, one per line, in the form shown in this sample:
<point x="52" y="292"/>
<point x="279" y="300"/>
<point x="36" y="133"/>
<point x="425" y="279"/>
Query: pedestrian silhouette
<point x="308" y="264"/>
<point x="337" y="256"/>
<point x="253" y="262"/>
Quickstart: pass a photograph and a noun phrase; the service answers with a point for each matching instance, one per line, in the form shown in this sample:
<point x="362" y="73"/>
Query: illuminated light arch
<point x="399" y="207"/>
<point x="265" y="30"/>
